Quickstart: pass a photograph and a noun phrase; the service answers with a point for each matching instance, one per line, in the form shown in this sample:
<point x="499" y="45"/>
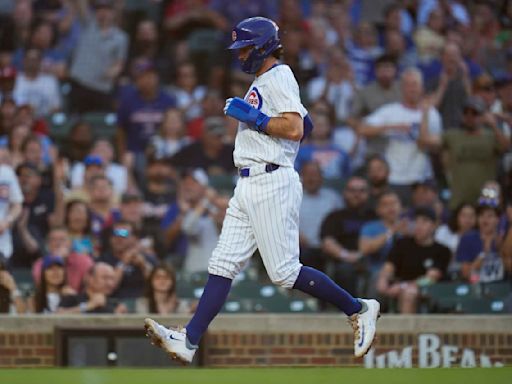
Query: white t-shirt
<point x="10" y="193"/>
<point x="116" y="173"/>
<point x="42" y="93"/>
<point x="407" y="162"/>
<point x="273" y="92"/>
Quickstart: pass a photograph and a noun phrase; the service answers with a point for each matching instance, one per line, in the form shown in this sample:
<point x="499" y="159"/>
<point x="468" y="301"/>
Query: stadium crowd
<point x="407" y="175"/>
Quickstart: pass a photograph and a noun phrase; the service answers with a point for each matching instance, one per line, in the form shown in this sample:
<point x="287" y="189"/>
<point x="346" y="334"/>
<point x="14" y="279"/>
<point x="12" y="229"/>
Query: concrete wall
<point x="243" y="340"/>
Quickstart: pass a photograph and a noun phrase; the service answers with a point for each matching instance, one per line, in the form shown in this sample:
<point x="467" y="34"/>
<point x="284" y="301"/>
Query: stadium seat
<point x="103" y="124"/>
<point x="496" y="290"/>
<point x="60" y="125"/>
<point x="474" y="305"/>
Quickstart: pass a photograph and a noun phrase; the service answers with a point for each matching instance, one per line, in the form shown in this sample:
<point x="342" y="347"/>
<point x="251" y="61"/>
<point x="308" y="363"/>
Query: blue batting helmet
<point x="260" y="32"/>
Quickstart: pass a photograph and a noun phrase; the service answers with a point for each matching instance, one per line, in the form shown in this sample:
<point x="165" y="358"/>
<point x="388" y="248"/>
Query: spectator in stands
<point x="377" y="173"/>
<point x="363" y="50"/>
<point x="187" y="91"/>
<point x="140" y="113"/>
<point x="117" y="173"/>
<point x="336" y="86"/>
<point x="202" y="214"/>
<point x="411" y="128"/>
<point x="131" y="265"/>
<point x="78" y="221"/>
<point x="11" y="199"/>
<point x="38" y="206"/>
<point x="378" y="237"/>
<point x="43" y="38"/>
<point x="170" y="138"/>
<point x="210" y="153"/>
<point x="8" y="76"/>
<point x="472" y="152"/>
<point x="96" y="298"/>
<point x="32" y="151"/>
<point x="131" y="209"/>
<point x="13" y="142"/>
<point x="479" y="250"/>
<point x="425" y="193"/>
<point x="11" y="300"/>
<point x="384" y="90"/>
<point x="429" y="39"/>
<point x="462" y="220"/>
<point x="38" y="89"/>
<point x="452" y="87"/>
<point x="93" y="166"/>
<point x="146" y="46"/>
<point x="78" y="142"/>
<point x="317" y="203"/>
<point x="333" y="161"/>
<point x="413" y="262"/>
<point x="101" y="203"/>
<point x="58" y="244"/>
<point x="98" y="59"/>
<point x="160" y="296"/>
<point x="340" y="233"/>
<point x="212" y="105"/>
<point x="52" y="286"/>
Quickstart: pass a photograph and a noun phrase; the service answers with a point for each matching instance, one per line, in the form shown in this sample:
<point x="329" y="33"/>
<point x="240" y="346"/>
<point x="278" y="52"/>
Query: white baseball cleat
<point x="364" y="326"/>
<point x="172" y="341"/>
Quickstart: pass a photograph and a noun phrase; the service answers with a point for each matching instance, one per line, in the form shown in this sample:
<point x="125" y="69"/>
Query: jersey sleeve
<point x="283" y="93"/>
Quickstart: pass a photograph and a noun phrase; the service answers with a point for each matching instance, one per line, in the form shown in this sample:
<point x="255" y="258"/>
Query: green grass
<point x="257" y="376"/>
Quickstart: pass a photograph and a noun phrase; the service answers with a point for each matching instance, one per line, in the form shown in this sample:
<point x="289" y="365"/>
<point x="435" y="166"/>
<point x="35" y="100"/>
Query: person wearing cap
<point x="210" y="153"/>
<point x="37" y="216"/>
<point x="99" y="57"/>
<point x="99" y="160"/>
<point x="472" y="152"/>
<point x="132" y="265"/>
<point x="414" y="262"/>
<point x="201" y="211"/>
<point x="140" y="112"/>
<point x="58" y="244"/>
<point x="479" y="250"/>
<point x="52" y="285"/>
<point x="93" y="166"/>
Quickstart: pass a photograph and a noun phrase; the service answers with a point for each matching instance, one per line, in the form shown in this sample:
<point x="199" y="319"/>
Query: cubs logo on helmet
<point x="259" y="32"/>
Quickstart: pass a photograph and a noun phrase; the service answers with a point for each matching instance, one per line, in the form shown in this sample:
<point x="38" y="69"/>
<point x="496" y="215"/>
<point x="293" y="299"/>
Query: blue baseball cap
<point x="93" y="160"/>
<point x="50" y="260"/>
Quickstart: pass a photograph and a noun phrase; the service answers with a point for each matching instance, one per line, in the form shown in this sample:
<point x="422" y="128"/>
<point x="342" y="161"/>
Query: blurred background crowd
<point x="116" y="159"/>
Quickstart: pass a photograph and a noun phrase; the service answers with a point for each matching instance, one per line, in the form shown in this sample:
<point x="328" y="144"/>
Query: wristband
<point x="83" y="307"/>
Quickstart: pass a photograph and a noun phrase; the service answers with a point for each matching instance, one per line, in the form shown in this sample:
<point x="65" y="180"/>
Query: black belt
<point x="246" y="172"/>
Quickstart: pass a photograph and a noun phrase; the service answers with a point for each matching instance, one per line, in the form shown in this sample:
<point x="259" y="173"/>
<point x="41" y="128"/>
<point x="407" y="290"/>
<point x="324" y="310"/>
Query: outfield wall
<point x="305" y="340"/>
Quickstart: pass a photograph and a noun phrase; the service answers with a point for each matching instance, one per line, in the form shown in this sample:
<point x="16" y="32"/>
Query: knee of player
<point x="285" y="280"/>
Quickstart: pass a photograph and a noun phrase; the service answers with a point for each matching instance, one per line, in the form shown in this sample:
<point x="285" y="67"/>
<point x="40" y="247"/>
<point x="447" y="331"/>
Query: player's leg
<point x="276" y="229"/>
<point x="236" y="245"/>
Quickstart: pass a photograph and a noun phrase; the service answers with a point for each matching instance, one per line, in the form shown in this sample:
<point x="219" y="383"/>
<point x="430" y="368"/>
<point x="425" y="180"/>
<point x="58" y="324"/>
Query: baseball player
<point x="264" y="211"/>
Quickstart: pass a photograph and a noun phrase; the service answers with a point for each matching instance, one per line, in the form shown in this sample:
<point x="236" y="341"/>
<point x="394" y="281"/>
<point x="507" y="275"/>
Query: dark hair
<point x="69" y="205"/>
<point x="95" y="178"/>
<point x="385" y="59"/>
<point x="481" y="208"/>
<point x="150" y="293"/>
<point x="453" y="221"/>
<point x="39" y="23"/>
<point x="278" y="53"/>
<point x="387" y="192"/>
<point x="40" y="297"/>
<point x="30" y="139"/>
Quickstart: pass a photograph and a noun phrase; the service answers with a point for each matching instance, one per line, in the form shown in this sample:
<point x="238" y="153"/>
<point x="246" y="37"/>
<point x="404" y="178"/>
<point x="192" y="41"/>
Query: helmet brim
<point x="240" y="44"/>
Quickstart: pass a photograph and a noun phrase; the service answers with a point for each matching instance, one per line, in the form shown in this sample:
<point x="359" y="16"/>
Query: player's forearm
<point x="286" y="127"/>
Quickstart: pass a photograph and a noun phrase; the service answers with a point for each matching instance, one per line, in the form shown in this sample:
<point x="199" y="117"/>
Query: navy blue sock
<point x="214" y="295"/>
<point x="319" y="285"/>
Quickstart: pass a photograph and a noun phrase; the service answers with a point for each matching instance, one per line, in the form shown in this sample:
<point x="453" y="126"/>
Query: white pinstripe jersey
<point x="273" y="92"/>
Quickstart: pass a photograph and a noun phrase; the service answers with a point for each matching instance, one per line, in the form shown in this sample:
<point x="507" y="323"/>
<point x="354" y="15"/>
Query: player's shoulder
<point x="281" y="72"/>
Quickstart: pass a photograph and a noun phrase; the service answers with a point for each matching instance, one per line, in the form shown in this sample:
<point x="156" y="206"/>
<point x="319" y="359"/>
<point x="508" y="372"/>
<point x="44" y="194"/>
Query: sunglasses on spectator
<point x="121" y="232"/>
